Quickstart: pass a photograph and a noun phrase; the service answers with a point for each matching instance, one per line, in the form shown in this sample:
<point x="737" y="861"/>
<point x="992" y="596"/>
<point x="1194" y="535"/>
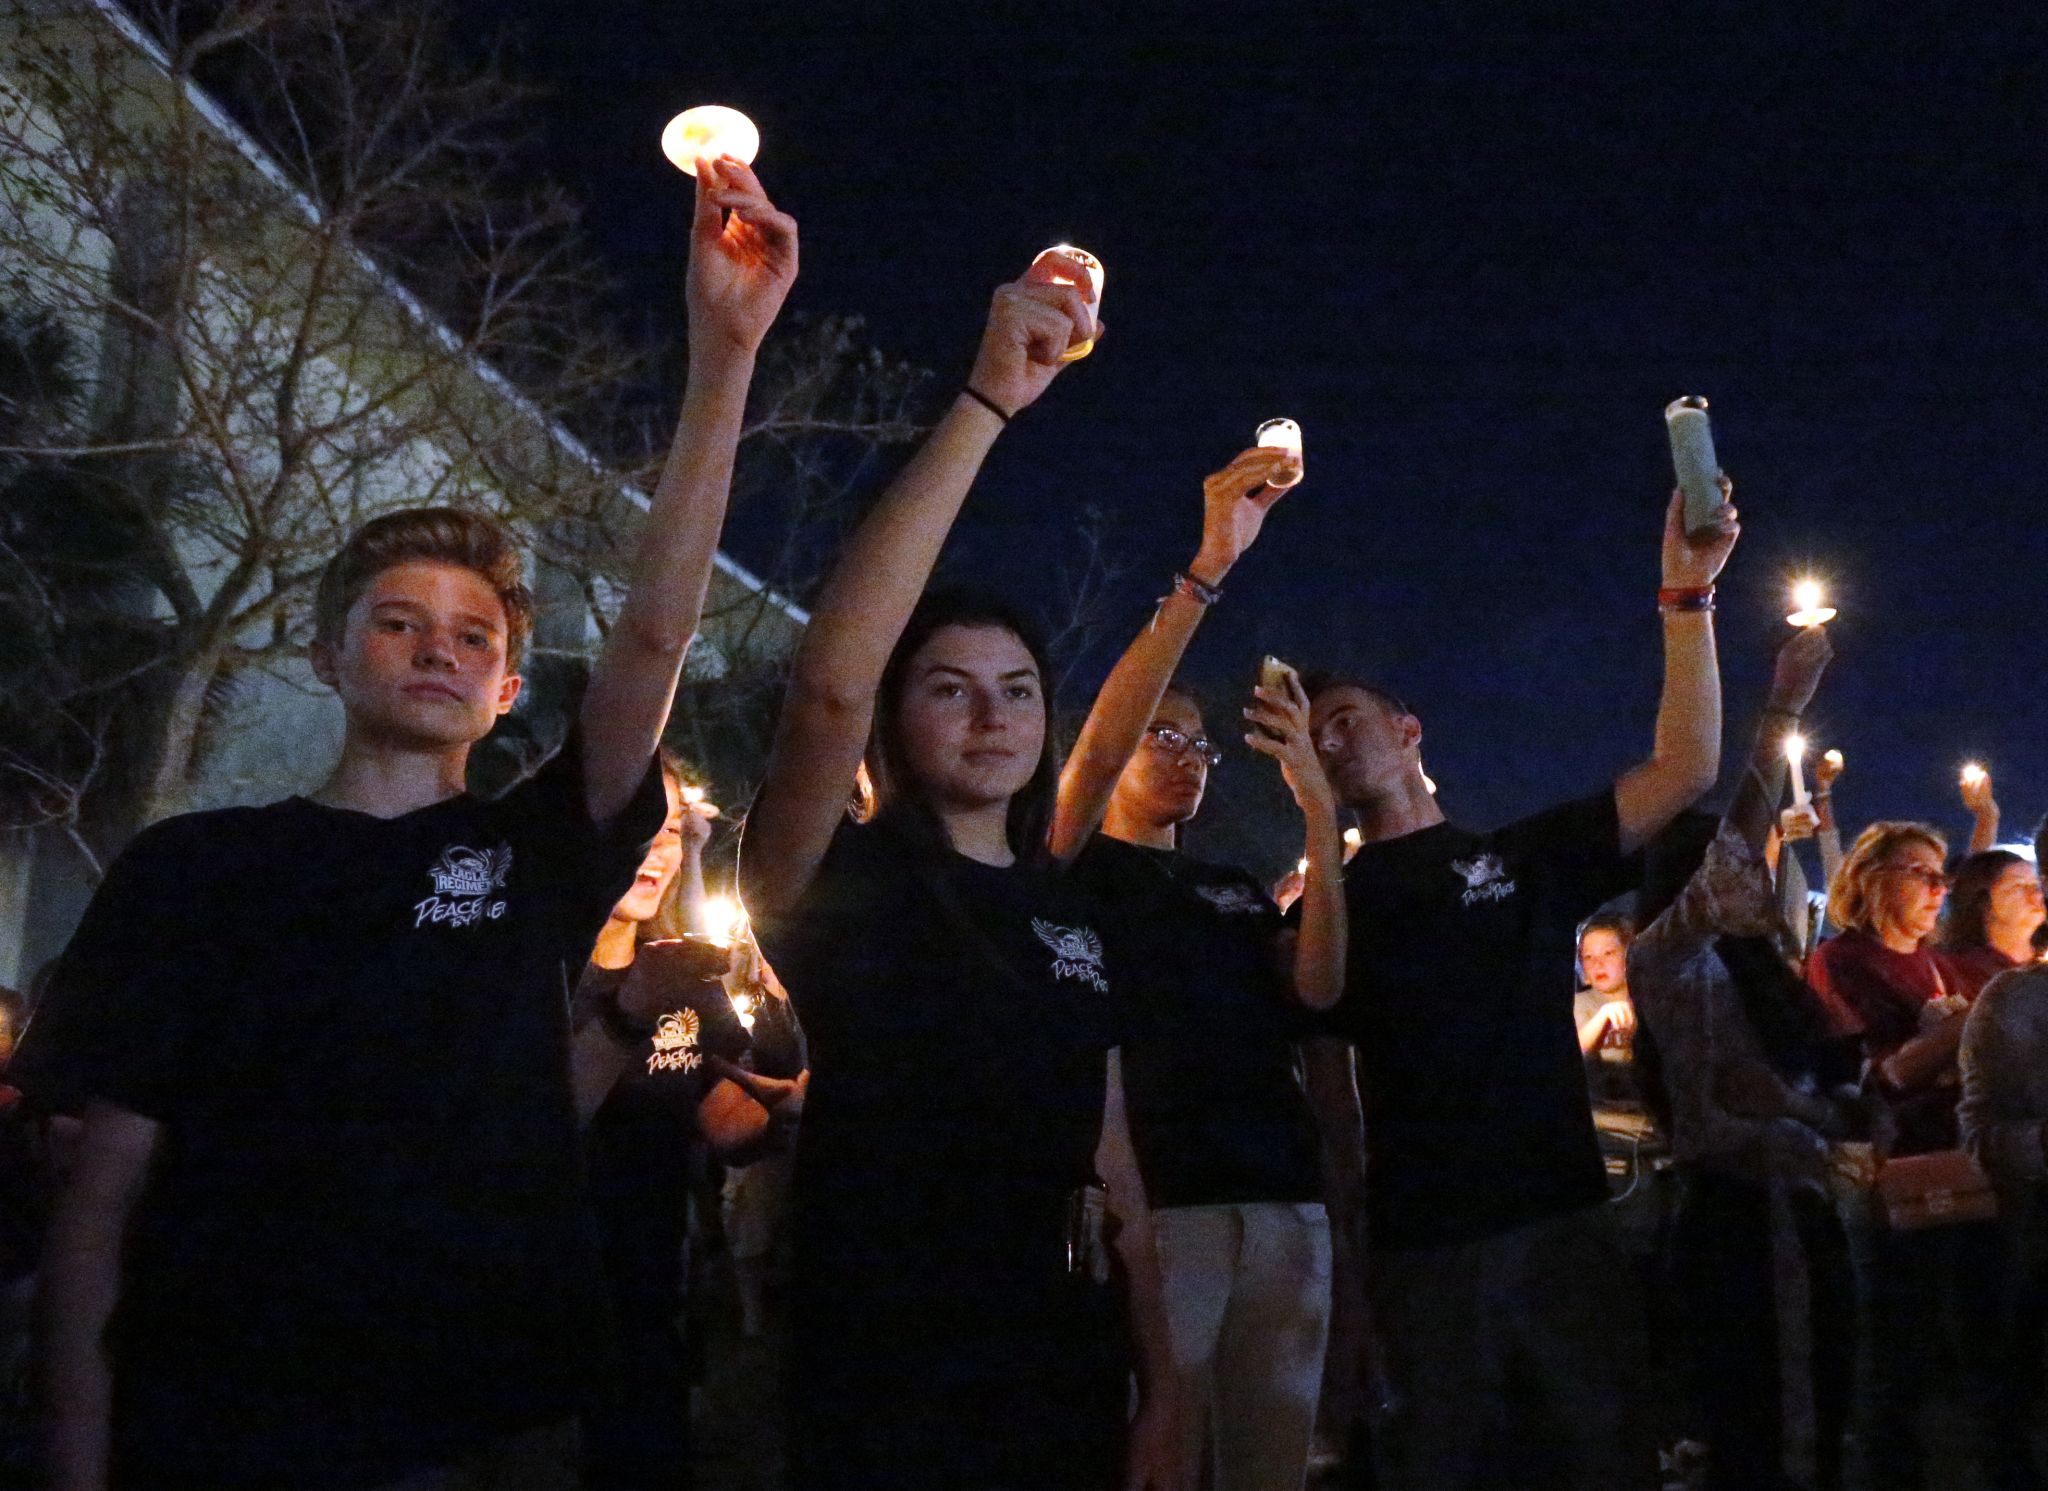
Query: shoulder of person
<point x="2027" y="985"/>
<point x="1589" y="824"/>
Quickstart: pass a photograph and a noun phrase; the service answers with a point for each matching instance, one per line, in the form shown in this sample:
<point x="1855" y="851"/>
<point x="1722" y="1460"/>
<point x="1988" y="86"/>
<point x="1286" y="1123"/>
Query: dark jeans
<point x="1927" y="1304"/>
<point x="1517" y="1360"/>
<point x="1727" y="1276"/>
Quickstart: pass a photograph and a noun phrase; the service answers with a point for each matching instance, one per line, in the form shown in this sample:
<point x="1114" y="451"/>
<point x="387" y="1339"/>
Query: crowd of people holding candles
<point x="370" y="1119"/>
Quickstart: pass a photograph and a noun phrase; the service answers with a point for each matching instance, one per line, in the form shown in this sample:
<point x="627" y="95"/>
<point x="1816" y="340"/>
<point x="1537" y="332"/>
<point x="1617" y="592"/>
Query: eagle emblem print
<point x="1076" y="952"/>
<point x="465" y="884"/>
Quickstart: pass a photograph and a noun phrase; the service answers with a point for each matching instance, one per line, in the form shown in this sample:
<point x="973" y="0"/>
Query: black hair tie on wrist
<point x="986" y="402"/>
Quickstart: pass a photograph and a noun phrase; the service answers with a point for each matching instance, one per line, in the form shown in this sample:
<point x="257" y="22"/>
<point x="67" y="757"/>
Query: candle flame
<point x="1834" y="759"/>
<point x="709" y="130"/>
<point x="1353" y="837"/>
<point x="1809" y="604"/>
<point x="693" y="795"/>
<point x="1282" y="434"/>
<point x="1795" y="748"/>
<point x="743" y="1007"/>
<point x="722" y="919"/>
<point x="1973" y="773"/>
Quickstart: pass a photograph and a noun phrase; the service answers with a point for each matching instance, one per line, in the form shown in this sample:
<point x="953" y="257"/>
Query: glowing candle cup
<point x="709" y="131"/>
<point x="722" y="919"/>
<point x="1807" y="607"/>
<point x="1795" y="754"/>
<point x="1283" y="434"/>
<point x="1056" y="266"/>
<point x="1973" y="775"/>
<point x="1833" y="758"/>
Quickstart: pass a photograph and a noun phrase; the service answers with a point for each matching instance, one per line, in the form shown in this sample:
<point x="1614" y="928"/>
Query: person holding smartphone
<point x="1225" y="1135"/>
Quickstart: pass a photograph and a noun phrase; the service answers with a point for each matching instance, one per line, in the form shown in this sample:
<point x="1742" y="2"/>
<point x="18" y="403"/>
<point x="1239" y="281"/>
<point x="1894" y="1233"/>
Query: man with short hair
<point x="326" y="1223"/>
<point x="1511" y="1330"/>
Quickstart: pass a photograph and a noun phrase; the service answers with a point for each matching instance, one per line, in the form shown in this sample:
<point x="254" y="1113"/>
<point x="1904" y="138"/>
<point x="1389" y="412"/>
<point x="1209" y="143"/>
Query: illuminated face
<point x="421" y="661"/>
<point x="1911" y="886"/>
<point x="1368" y="749"/>
<point x="658" y="870"/>
<point x="2016" y="909"/>
<point x="972" y="716"/>
<point x="1605" y="962"/>
<point x="1163" y="787"/>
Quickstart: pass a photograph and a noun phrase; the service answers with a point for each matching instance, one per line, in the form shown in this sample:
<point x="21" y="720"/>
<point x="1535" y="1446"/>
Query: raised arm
<point x="1235" y="502"/>
<point x="1826" y="772"/>
<point x="1983" y="805"/>
<point x="741" y="268"/>
<point x="1801" y="661"/>
<point x="1686" y="756"/>
<point x="1280" y="730"/>
<point x="863" y="608"/>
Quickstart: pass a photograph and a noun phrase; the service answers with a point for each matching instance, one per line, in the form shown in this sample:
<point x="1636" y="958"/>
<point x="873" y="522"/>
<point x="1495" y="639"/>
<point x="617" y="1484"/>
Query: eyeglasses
<point x="1171" y="742"/>
<point x="1931" y="879"/>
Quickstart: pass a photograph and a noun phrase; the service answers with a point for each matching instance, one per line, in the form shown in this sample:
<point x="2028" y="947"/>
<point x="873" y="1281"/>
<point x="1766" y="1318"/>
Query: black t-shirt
<point x="1458" y="995"/>
<point x="648" y="1121"/>
<point x="363" y="1246"/>
<point x="959" y="1017"/>
<point x="1215" y="1100"/>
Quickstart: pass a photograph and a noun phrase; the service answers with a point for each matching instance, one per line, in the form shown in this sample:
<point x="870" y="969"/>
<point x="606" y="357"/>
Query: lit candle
<point x="1302" y="867"/>
<point x="1353" y="838"/>
<point x="1809" y="606"/>
<point x="722" y="919"/>
<point x="709" y="131"/>
<point x="1283" y="434"/>
<point x="1833" y="758"/>
<point x="1973" y="775"/>
<point x="1063" y="264"/>
<point x="743" y="1006"/>
<point x="1795" y="753"/>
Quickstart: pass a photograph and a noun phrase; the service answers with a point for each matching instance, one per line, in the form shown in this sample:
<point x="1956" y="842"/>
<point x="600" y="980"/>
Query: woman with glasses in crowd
<point x="1903" y="1002"/>
<point x="1225" y="1136"/>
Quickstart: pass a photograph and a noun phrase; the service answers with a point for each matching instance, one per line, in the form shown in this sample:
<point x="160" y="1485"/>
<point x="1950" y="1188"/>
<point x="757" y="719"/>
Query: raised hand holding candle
<point x="1808" y="608"/>
<point x="1795" y="753"/>
<point x="1063" y="264"/>
<point x="1283" y="434"/>
<point x="709" y="131"/>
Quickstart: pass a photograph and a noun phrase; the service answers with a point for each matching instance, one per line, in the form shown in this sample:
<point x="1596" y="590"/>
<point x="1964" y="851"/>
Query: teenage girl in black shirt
<point x="948" y="1285"/>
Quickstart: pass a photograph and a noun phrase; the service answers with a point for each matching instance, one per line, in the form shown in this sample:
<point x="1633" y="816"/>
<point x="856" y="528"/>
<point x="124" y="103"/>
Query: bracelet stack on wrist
<point x="1187" y="585"/>
<point x="1677" y="599"/>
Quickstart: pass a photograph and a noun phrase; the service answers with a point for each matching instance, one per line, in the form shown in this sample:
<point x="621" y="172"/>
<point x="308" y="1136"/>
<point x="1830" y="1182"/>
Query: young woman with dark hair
<point x="1994" y="909"/>
<point x="663" y="1104"/>
<point x="955" y="1316"/>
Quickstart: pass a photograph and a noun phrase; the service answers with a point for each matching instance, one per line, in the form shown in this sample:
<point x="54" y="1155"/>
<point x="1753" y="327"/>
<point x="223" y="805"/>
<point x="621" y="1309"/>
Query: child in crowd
<point x="326" y="1224"/>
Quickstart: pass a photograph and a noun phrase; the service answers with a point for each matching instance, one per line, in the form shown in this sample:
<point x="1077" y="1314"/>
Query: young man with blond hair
<point x="326" y="1224"/>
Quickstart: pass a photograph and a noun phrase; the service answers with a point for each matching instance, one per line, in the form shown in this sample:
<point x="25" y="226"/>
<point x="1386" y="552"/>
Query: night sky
<point x="1474" y="251"/>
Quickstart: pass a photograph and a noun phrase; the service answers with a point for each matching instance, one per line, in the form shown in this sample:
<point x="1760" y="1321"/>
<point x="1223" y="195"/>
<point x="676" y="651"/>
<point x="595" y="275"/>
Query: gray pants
<point x="1516" y="1361"/>
<point x="1248" y="1313"/>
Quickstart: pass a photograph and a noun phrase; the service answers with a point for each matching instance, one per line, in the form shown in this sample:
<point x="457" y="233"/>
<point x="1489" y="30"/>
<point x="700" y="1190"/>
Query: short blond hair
<point x="446" y="535"/>
<point x="1852" y="899"/>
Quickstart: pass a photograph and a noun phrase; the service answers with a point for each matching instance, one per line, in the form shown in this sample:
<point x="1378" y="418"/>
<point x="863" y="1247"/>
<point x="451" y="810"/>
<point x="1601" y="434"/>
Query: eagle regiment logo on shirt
<point x="464" y="880"/>
<point x="1486" y="879"/>
<point x="675" y="1043"/>
<point x="1077" y="952"/>
<point x="1232" y="899"/>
